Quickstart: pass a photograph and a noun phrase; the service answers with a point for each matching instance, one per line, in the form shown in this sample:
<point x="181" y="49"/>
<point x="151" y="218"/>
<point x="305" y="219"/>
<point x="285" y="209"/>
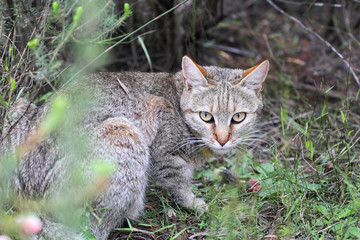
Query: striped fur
<point x="147" y="125"/>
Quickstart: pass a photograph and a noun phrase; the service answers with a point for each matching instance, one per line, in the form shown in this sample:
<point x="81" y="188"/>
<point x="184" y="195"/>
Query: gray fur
<point x="148" y="125"/>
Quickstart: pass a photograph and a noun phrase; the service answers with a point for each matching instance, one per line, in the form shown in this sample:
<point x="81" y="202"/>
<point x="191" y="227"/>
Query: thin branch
<point x="336" y="5"/>
<point x="123" y="40"/>
<point x="319" y="37"/>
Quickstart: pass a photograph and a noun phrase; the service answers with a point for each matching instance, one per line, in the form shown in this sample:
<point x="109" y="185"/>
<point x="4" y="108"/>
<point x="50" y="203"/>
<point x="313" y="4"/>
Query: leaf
<point x="3" y="102"/>
<point x="55" y="7"/>
<point x="13" y="84"/>
<point x="141" y="41"/>
<point x="103" y="169"/>
<point x="265" y="168"/>
<point x="78" y="13"/>
<point x="329" y="89"/>
<point x="33" y="43"/>
<point x="127" y="11"/>
<point x="343" y="117"/>
<point x="354" y="231"/>
<point x="56" y="115"/>
<point x="346" y="212"/>
<point x="322" y="209"/>
<point x="309" y="145"/>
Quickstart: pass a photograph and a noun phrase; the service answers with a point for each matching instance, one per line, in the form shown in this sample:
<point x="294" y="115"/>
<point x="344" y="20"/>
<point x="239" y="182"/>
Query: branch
<point x="123" y="39"/>
<point x="319" y="37"/>
<point x="336" y="5"/>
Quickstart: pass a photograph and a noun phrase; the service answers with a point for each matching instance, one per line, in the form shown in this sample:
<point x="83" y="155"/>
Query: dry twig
<point x="318" y="36"/>
<point x="123" y="86"/>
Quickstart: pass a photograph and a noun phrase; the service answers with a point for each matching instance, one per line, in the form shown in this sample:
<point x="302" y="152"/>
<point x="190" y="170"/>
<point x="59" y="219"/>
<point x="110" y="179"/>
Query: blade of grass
<point x="142" y="44"/>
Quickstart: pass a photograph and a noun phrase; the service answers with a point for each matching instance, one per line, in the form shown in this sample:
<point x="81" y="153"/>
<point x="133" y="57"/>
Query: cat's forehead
<point x="226" y="97"/>
<point x="216" y="75"/>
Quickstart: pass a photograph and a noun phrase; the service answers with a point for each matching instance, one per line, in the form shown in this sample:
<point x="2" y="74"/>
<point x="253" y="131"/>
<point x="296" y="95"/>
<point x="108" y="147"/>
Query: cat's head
<point x="221" y="105"/>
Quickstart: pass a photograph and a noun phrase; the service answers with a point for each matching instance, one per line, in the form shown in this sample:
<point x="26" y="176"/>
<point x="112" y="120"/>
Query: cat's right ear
<point x="253" y="78"/>
<point x="194" y="74"/>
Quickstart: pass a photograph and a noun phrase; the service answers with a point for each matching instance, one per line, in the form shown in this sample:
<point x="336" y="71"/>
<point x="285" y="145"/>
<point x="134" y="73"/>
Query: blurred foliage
<point x="308" y="166"/>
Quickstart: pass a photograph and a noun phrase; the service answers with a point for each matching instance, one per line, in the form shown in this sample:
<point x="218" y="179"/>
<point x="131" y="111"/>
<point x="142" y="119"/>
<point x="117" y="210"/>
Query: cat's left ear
<point x="194" y="74"/>
<point x="253" y="78"/>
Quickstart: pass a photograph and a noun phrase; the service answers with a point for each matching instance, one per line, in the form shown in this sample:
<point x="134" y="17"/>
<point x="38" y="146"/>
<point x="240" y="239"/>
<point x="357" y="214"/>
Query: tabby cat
<point x="149" y="125"/>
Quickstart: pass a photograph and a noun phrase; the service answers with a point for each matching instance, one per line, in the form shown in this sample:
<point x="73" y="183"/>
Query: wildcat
<point x="147" y="125"/>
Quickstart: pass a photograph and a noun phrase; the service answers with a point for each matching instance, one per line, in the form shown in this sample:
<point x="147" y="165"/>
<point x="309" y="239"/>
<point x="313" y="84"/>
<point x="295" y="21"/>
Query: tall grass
<point x="59" y="38"/>
<point x="308" y="170"/>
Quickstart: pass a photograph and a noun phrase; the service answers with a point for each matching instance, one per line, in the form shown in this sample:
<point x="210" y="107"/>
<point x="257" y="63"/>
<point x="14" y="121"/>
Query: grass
<point x="309" y="187"/>
<point x="308" y="168"/>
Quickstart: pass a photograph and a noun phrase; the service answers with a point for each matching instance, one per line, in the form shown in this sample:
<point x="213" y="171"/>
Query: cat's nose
<point x="222" y="136"/>
<point x="222" y="141"/>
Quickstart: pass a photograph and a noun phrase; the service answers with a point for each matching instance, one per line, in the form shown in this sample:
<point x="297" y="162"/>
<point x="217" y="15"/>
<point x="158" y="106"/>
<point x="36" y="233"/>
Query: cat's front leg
<point x="174" y="174"/>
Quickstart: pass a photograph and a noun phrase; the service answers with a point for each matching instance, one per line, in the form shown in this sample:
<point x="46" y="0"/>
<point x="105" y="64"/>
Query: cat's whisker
<point x="186" y="142"/>
<point x="198" y="148"/>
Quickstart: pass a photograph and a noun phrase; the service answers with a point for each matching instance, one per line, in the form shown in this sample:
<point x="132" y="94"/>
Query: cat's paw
<point x="200" y="205"/>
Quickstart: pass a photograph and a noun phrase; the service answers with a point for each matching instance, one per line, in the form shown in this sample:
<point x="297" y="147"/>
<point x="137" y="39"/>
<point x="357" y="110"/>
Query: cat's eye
<point x="238" y="117"/>
<point x="206" y="117"/>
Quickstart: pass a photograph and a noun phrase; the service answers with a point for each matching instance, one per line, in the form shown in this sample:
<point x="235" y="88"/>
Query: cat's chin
<point x="221" y="151"/>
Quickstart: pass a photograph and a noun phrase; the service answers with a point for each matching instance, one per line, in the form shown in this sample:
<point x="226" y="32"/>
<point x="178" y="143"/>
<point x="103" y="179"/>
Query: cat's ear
<point x="253" y="78"/>
<point x="194" y="74"/>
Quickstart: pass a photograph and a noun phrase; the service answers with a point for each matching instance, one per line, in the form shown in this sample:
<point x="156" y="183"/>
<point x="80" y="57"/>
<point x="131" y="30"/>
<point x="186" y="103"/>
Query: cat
<point x="149" y="125"/>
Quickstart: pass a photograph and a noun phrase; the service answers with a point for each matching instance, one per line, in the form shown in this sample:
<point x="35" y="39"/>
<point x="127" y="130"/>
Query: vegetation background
<point x="307" y="162"/>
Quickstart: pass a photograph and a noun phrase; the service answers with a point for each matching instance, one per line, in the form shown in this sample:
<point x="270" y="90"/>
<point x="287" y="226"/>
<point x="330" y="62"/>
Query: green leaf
<point x="56" y="115"/>
<point x="350" y="132"/>
<point x="55" y="7"/>
<point x="78" y="13"/>
<point x="12" y="83"/>
<point x="265" y="168"/>
<point x="309" y="145"/>
<point x="141" y="41"/>
<point x="329" y="89"/>
<point x="103" y="169"/>
<point x="346" y="212"/>
<point x="322" y="209"/>
<point x="343" y="117"/>
<point x="3" y="102"/>
<point x="88" y="236"/>
<point x="354" y="231"/>
<point x="127" y="11"/>
<point x="33" y="43"/>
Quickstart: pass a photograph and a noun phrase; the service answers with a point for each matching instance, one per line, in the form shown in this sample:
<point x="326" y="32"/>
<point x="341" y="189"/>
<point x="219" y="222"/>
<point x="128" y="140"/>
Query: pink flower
<point x="4" y="237"/>
<point x="30" y="224"/>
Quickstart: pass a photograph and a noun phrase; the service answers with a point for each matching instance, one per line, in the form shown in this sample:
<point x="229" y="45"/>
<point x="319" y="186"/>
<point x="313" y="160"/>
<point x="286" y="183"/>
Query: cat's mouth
<point x="220" y="150"/>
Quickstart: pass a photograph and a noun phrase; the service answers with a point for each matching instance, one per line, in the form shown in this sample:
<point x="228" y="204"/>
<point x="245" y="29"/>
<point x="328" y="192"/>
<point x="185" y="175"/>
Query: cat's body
<point x="147" y="124"/>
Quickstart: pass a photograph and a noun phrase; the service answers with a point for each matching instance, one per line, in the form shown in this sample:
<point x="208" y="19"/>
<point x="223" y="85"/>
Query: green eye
<point x="206" y="117"/>
<point x="238" y="117"/>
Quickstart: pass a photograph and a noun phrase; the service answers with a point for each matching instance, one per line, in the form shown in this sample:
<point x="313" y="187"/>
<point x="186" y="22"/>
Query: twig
<point x="237" y="51"/>
<point x="318" y="36"/>
<point x="336" y="5"/>
<point x="200" y="234"/>
<point x="126" y="90"/>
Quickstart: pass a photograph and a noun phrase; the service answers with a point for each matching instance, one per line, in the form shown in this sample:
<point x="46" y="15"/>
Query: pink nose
<point x="222" y="141"/>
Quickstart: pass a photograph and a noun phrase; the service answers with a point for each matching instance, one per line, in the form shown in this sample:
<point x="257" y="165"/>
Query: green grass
<point x="308" y="169"/>
<point x="309" y="181"/>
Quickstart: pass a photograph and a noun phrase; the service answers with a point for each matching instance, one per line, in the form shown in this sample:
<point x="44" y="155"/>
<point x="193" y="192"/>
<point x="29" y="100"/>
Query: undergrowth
<point x="306" y="173"/>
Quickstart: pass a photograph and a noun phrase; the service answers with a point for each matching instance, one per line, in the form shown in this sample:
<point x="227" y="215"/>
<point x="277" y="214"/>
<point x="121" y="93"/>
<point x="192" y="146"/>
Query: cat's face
<point x="221" y="105"/>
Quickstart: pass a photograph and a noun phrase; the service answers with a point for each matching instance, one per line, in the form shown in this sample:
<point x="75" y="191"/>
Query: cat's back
<point x="131" y="95"/>
<point x="125" y="84"/>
